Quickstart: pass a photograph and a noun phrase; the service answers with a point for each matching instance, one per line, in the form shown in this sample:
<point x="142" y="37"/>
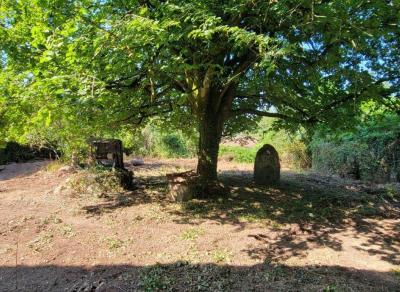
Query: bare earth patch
<point x="311" y="233"/>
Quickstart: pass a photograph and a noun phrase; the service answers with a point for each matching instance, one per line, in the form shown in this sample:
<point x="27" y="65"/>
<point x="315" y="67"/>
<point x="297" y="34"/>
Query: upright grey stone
<point x="267" y="167"/>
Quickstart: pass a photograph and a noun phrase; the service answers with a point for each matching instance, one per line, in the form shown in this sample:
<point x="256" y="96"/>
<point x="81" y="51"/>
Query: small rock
<point x="136" y="162"/>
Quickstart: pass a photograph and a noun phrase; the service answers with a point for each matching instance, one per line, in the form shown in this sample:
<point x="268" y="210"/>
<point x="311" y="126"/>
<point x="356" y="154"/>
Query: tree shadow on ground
<point x="183" y="276"/>
<point x="147" y="191"/>
<point x="304" y="211"/>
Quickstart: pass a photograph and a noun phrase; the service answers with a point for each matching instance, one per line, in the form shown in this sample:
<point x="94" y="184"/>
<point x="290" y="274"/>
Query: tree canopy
<point x="71" y="69"/>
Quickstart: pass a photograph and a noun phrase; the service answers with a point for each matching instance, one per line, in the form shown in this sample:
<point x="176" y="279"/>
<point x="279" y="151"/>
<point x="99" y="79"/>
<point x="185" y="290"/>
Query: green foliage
<point x="97" y="181"/>
<point x="192" y="233"/>
<point x="222" y="256"/>
<point x="238" y="153"/>
<point x="14" y="152"/>
<point x="397" y="274"/>
<point x="370" y="152"/>
<point x="155" y="279"/>
<point x="71" y="70"/>
<point x="156" y="141"/>
<point x="275" y="273"/>
<point x="292" y="151"/>
<point x="174" y="145"/>
<point x="114" y="243"/>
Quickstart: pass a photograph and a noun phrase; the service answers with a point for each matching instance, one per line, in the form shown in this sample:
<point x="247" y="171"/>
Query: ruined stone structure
<point x="182" y="186"/>
<point x="109" y="152"/>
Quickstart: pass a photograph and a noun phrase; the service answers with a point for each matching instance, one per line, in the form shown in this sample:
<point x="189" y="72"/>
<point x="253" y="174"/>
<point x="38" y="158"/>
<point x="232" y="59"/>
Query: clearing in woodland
<point x="311" y="233"/>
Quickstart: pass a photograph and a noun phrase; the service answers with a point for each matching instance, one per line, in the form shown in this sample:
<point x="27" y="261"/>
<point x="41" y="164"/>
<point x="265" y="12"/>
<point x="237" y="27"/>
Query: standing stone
<point x="267" y="167"/>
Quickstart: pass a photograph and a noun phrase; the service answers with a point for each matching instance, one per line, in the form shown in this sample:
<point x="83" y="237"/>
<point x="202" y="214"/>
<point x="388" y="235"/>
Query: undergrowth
<point x="97" y="181"/>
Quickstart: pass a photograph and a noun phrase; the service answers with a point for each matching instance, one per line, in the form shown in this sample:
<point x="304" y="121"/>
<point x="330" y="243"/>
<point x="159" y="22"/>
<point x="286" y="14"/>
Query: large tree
<point x="214" y="64"/>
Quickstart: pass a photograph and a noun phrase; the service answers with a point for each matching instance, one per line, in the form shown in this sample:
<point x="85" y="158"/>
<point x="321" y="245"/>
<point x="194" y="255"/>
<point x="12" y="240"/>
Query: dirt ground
<point x="310" y="233"/>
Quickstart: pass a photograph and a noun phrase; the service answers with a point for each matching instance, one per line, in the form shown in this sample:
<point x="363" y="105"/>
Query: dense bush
<point x="370" y="152"/>
<point x="174" y="145"/>
<point x="294" y="155"/>
<point x="157" y="142"/>
<point x="14" y="152"/>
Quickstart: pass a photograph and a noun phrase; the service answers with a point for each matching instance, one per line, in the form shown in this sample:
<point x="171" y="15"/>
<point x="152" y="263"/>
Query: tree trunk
<point x="210" y="130"/>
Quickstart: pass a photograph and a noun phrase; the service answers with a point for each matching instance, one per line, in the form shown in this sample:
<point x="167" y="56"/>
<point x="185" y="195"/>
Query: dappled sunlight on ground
<point x="310" y="230"/>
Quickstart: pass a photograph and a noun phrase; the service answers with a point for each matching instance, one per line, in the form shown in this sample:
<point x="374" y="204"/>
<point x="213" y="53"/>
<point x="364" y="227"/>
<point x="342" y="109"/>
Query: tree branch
<point x="261" y="113"/>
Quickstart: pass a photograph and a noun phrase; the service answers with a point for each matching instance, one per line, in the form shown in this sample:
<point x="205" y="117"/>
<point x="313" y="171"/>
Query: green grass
<point x="397" y="274"/>
<point x="222" y="256"/>
<point x="274" y="274"/>
<point x="114" y="243"/>
<point x="295" y="200"/>
<point x="330" y="288"/>
<point x="192" y="233"/>
<point x="155" y="278"/>
<point x="238" y="153"/>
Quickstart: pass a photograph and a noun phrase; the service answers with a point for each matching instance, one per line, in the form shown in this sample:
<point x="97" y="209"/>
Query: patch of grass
<point x="212" y="278"/>
<point x="156" y="213"/>
<point x="274" y="274"/>
<point x="391" y="192"/>
<point x="51" y="219"/>
<point x="97" y="182"/>
<point x="41" y="242"/>
<point x="67" y="231"/>
<point x="155" y="279"/>
<point x="222" y="256"/>
<point x="54" y="166"/>
<point x="397" y="274"/>
<point x="47" y="221"/>
<point x="299" y="198"/>
<point x="192" y="233"/>
<point x="192" y="255"/>
<point x="198" y="208"/>
<point x="330" y="288"/>
<point x="114" y="243"/>
<point x="238" y="153"/>
<point x="368" y="210"/>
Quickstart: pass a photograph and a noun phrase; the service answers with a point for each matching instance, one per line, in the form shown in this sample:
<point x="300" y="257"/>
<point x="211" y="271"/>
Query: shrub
<point x="14" y="152"/>
<point x="173" y="145"/>
<point x="157" y="142"/>
<point x="371" y="152"/>
<point x="97" y="181"/>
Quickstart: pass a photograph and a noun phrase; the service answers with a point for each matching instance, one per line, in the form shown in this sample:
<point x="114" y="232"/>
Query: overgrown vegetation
<point x="157" y="141"/>
<point x="370" y="152"/>
<point x="96" y="181"/>
<point x="71" y="70"/>
<point x="290" y="146"/>
<point x="14" y="152"/>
